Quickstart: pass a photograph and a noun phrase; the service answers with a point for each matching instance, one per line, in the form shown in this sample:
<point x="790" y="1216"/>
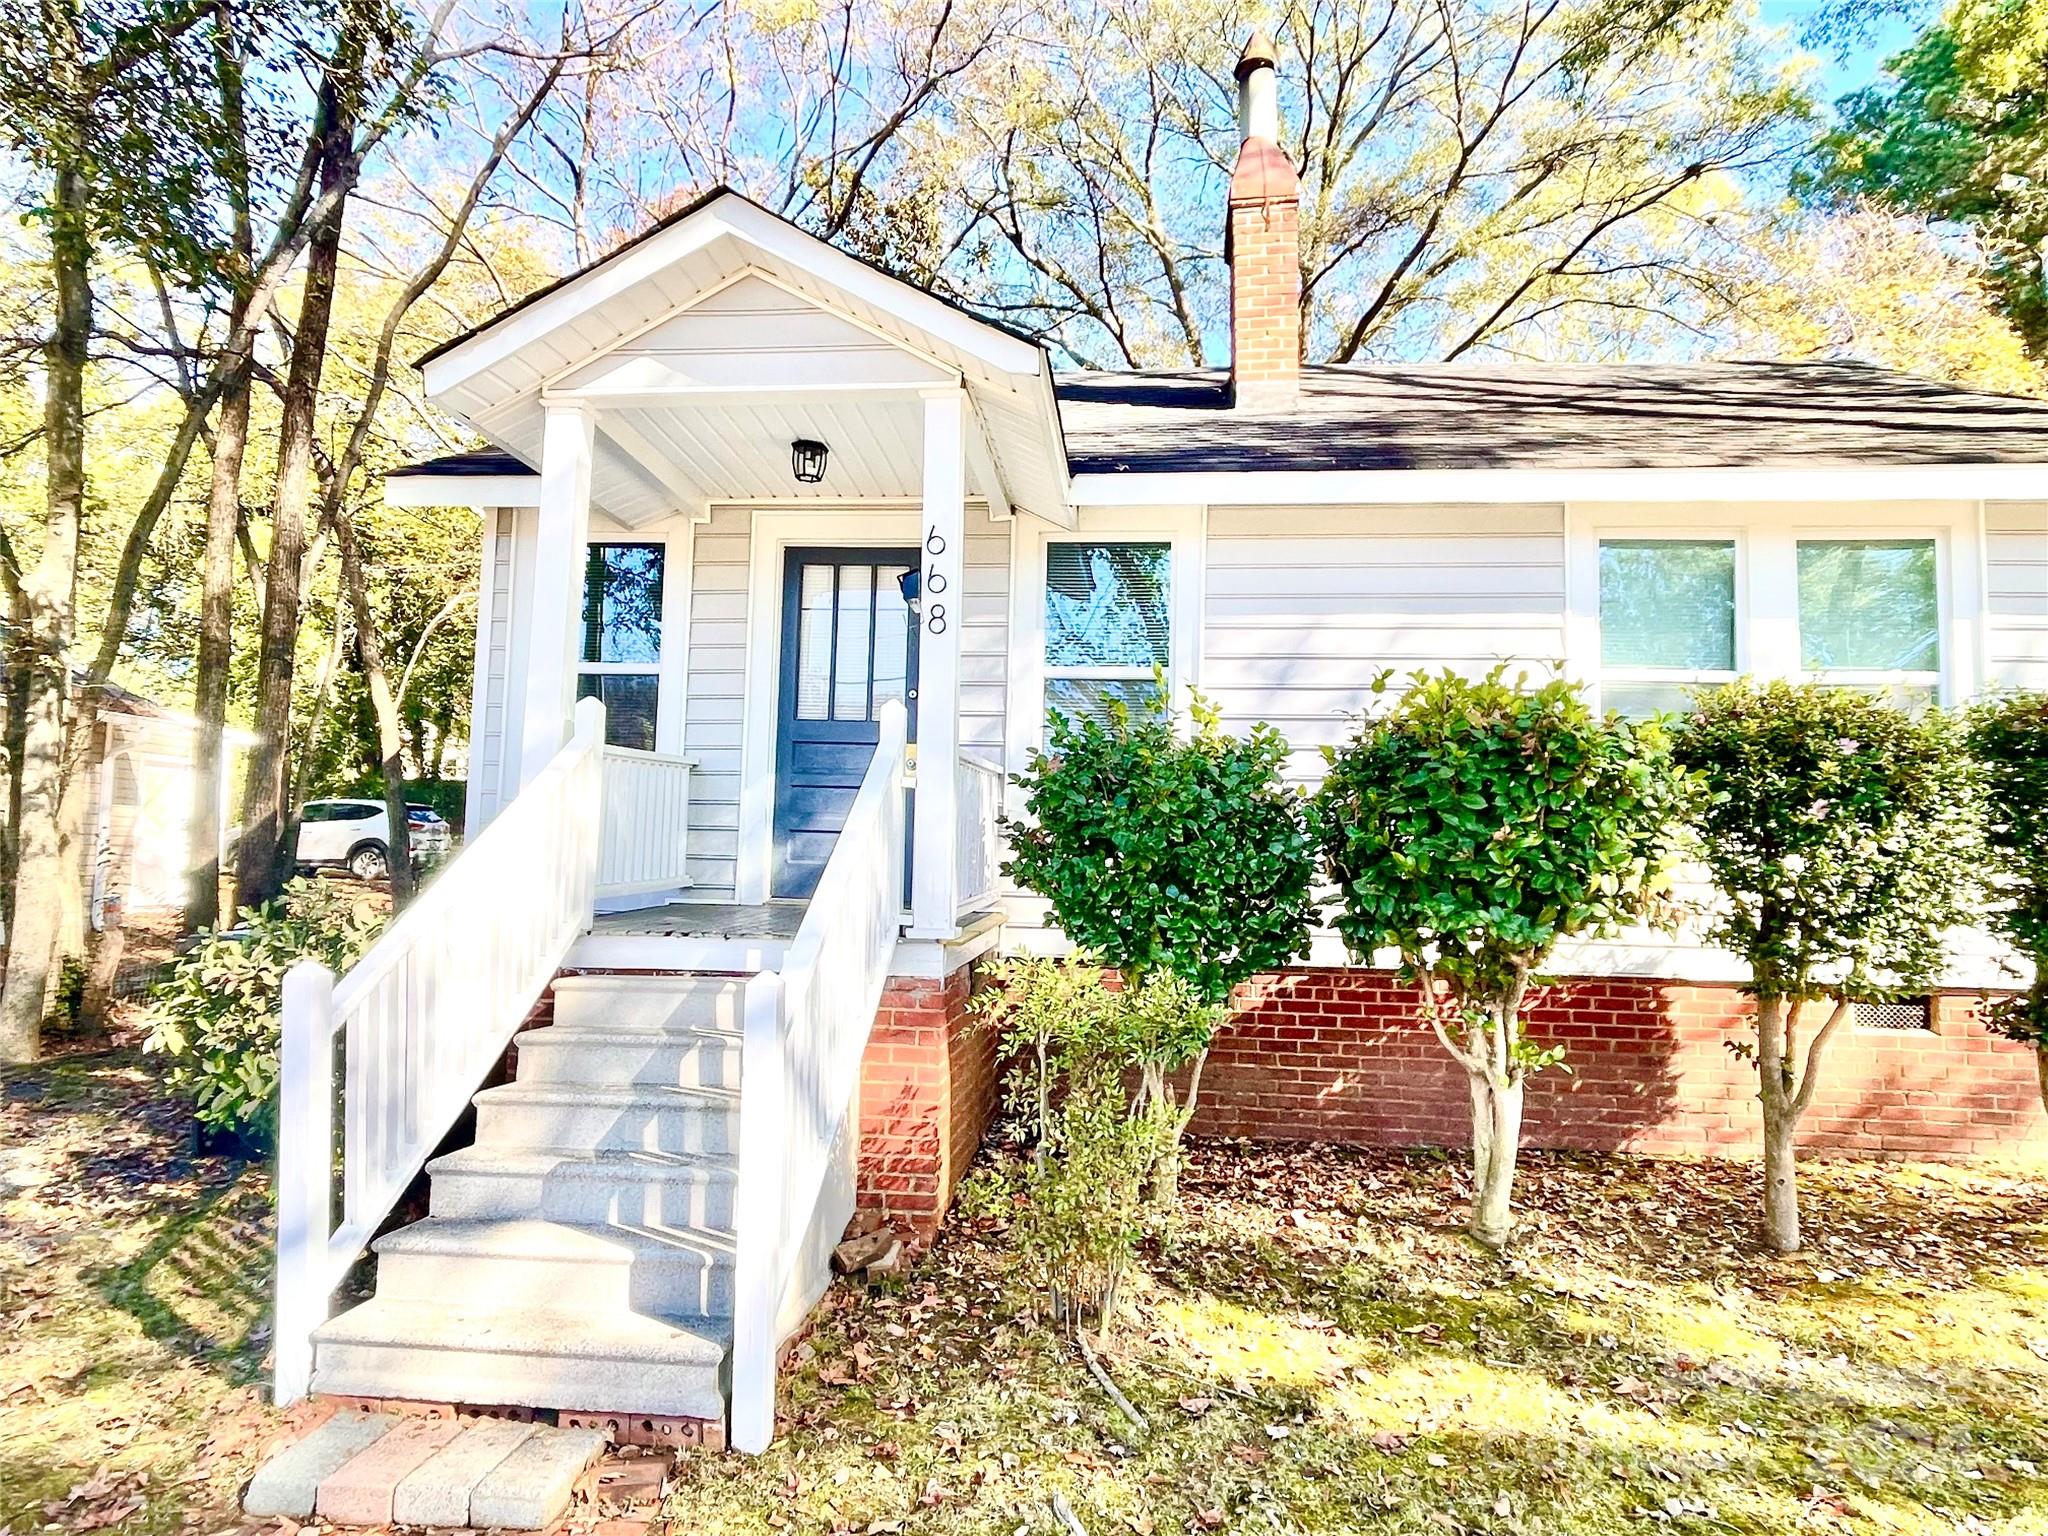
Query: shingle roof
<point x="1815" y="415"/>
<point x="482" y="461"/>
<point x="1821" y="415"/>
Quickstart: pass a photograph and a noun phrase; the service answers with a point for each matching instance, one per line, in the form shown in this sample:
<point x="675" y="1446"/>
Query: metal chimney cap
<point x="1259" y="53"/>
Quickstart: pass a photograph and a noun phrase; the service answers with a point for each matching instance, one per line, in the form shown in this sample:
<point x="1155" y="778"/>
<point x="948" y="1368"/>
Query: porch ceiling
<point x="710" y="417"/>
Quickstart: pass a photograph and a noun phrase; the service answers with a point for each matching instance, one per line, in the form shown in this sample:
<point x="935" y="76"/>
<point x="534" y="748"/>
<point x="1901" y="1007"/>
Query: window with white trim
<point x="618" y="656"/>
<point x="1108" y="624"/>
<point x="1870" y="616"/>
<point x="1667" y="620"/>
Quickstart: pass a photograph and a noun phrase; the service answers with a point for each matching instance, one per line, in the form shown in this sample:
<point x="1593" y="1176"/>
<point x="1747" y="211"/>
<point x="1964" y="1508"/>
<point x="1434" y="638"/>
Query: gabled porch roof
<point x="710" y="343"/>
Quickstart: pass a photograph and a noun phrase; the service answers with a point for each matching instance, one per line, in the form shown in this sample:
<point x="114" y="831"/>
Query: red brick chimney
<point x="1262" y="243"/>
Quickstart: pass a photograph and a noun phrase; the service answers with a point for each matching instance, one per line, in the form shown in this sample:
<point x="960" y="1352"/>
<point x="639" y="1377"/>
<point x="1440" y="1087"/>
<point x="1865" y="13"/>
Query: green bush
<point x="216" y="1017"/>
<point x="1471" y="827"/>
<point x="1184" y="863"/>
<point x="1842" y="836"/>
<point x="2008" y="737"/>
<point x="1168" y="854"/>
<point x="1075" y="1197"/>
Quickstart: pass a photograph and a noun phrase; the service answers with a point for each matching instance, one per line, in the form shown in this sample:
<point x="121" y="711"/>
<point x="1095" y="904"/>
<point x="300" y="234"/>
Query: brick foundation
<point x="928" y="1090"/>
<point x="1337" y="1055"/>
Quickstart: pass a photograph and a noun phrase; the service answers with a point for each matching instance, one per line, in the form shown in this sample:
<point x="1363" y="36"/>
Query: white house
<point x="779" y="510"/>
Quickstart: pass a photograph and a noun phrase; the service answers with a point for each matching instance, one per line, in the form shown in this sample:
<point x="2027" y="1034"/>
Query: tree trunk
<point x="263" y="860"/>
<point x="1496" y="1143"/>
<point x="16" y="737"/>
<point x="390" y="732"/>
<point x="216" y="654"/>
<point x="77" y="848"/>
<point x="224" y="523"/>
<point x="49" y="590"/>
<point x="1781" y="1123"/>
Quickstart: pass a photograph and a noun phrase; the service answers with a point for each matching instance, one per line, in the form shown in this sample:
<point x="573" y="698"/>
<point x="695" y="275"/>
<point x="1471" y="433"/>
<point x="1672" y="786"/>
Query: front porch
<point x="737" y="779"/>
<point x="746" y="491"/>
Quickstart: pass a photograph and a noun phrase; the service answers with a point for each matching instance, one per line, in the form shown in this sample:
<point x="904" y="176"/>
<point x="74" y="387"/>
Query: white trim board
<point x="477" y="491"/>
<point x="1917" y="482"/>
<point x="728" y="216"/>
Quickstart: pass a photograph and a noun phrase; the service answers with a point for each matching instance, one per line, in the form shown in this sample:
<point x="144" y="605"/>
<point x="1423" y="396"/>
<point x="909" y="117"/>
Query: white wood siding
<point x="749" y="332"/>
<point x="1304" y="606"/>
<point x="502" y="643"/>
<point x="2016" y="593"/>
<point x="984" y="642"/>
<point x="718" y="684"/>
<point x="717" y="694"/>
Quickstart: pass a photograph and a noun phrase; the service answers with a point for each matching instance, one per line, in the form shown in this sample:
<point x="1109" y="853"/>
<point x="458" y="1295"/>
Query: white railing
<point x="646" y="823"/>
<point x="805" y="1030"/>
<point x="421" y="1019"/>
<point x="977" y="834"/>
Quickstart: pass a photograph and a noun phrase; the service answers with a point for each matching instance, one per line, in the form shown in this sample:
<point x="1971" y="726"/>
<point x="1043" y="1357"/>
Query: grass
<point x="1320" y="1350"/>
<point x="134" y="1278"/>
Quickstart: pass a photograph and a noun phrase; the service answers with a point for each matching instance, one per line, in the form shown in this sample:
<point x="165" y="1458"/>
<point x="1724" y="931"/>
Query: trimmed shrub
<point x="2008" y="737"/>
<point x="1842" y="835"/>
<point x="1469" y="828"/>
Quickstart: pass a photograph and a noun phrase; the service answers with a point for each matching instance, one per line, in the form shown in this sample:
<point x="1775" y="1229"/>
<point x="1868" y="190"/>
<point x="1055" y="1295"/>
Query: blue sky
<point x="1839" y="76"/>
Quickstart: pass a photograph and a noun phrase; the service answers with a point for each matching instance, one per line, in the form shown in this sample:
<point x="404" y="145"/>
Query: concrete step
<point x="583" y="1357"/>
<point x="618" y="1056"/>
<point x="633" y="1189"/>
<point x="532" y="1263"/>
<point x="649" y="1002"/>
<point x="635" y="1118"/>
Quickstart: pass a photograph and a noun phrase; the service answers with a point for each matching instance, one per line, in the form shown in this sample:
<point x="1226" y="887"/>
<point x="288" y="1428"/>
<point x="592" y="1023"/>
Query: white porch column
<point x="566" y="447"/>
<point x="942" y="592"/>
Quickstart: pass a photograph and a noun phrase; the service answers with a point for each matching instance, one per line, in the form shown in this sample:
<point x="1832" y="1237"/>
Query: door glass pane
<point x="1106" y="605"/>
<point x="1668" y="603"/>
<point x="850" y="671"/>
<point x="892" y="635"/>
<point x="622" y="603"/>
<point x="814" y="643"/>
<point x="630" y="700"/>
<point x="1868" y="604"/>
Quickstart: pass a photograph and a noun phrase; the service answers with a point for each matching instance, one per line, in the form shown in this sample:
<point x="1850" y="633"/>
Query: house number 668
<point x="934" y="583"/>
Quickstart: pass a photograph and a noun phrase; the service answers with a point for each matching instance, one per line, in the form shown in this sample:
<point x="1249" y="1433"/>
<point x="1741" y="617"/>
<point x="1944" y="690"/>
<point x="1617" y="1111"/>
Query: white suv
<point x="356" y="834"/>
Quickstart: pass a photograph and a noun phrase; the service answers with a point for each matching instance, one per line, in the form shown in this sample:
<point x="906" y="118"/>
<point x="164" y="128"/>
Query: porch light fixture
<point x="807" y="459"/>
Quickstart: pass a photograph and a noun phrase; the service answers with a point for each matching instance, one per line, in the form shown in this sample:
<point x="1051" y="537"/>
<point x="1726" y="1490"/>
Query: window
<point x="619" y="660"/>
<point x="1667" y="620"/>
<point x="1106" y="625"/>
<point x="1869" y="616"/>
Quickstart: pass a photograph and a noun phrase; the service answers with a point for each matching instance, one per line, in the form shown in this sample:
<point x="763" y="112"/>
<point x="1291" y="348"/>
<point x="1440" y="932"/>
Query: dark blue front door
<point x="849" y="645"/>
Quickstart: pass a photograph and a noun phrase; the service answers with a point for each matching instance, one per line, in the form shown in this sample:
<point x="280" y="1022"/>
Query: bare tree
<point x="1470" y="172"/>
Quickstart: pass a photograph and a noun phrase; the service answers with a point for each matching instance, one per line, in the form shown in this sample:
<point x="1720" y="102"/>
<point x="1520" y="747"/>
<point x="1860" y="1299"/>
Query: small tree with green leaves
<point x="1167" y="854"/>
<point x="1841" y="834"/>
<point x="1075" y="1198"/>
<point x="2008" y="737"/>
<point x="1471" y="827"/>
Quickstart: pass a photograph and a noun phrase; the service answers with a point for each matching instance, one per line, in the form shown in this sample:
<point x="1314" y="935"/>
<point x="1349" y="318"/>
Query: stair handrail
<point x="422" y="1018"/>
<point x="804" y="1032"/>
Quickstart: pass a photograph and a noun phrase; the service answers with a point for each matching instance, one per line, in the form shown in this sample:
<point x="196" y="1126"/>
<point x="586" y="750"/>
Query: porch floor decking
<point x="704" y="920"/>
